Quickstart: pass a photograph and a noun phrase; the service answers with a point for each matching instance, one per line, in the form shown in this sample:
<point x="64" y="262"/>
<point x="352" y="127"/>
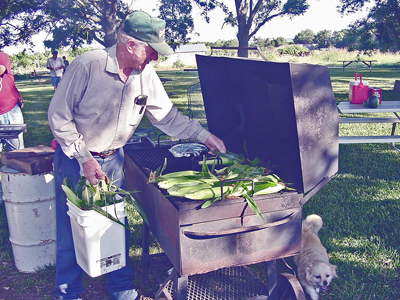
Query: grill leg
<point x="179" y="286"/>
<point x="272" y="280"/>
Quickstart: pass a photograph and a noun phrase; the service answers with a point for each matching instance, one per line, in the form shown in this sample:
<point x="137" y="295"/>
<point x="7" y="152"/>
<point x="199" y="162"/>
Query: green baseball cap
<point x="143" y="27"/>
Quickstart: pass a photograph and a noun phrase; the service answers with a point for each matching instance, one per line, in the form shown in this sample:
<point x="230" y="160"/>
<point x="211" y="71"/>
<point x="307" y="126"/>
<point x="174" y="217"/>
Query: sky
<point x="321" y="15"/>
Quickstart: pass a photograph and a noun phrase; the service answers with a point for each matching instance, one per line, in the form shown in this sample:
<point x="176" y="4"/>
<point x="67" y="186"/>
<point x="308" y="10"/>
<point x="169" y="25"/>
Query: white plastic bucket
<point x="98" y="241"/>
<point x="31" y="217"/>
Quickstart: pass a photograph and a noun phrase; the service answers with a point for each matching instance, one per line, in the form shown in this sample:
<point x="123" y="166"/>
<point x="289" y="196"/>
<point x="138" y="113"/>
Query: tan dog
<point x="313" y="267"/>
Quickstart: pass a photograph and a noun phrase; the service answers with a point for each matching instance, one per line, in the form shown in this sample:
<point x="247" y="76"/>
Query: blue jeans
<point x="68" y="283"/>
<point x="55" y="81"/>
<point x="14" y="116"/>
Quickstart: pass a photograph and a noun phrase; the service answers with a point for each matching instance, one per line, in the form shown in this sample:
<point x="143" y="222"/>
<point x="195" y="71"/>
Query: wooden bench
<point x="392" y="139"/>
<point x="347" y="63"/>
<point x="368" y="120"/>
<point x="369" y="139"/>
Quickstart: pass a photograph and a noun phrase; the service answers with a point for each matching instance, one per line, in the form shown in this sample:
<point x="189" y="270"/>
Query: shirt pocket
<point x="137" y="115"/>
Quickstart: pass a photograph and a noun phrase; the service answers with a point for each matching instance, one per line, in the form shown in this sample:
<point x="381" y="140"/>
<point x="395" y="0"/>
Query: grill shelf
<point x="235" y="283"/>
<point x="11" y="131"/>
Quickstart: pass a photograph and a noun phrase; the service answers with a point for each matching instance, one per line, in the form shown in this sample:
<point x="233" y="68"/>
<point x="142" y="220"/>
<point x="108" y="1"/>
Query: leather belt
<point x="104" y="154"/>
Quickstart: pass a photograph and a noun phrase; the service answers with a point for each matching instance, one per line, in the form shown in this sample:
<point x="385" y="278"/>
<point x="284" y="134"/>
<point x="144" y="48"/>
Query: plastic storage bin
<point x="358" y="90"/>
<point x="99" y="242"/>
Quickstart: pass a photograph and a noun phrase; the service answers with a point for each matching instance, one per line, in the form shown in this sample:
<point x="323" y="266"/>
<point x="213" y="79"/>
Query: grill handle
<point x="211" y="234"/>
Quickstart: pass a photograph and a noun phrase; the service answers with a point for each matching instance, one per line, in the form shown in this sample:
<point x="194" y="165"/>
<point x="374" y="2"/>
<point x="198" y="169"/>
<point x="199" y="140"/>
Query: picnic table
<point x="384" y="107"/>
<point x="164" y="80"/>
<point x="347" y="63"/>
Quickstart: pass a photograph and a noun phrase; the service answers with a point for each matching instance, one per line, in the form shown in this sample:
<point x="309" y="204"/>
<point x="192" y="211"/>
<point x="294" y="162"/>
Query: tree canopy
<point x="250" y="15"/>
<point x="71" y="22"/>
<point x="381" y="28"/>
<point x="304" y="37"/>
<point x="75" y="22"/>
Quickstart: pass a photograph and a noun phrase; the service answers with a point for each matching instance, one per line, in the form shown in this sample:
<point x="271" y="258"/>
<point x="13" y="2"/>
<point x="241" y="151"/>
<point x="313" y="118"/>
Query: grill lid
<point x="283" y="113"/>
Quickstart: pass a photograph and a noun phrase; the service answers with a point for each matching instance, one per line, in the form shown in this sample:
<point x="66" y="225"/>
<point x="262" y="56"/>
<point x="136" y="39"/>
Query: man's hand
<point x="2" y="69"/>
<point x="92" y="171"/>
<point x="215" y="144"/>
<point x="21" y="103"/>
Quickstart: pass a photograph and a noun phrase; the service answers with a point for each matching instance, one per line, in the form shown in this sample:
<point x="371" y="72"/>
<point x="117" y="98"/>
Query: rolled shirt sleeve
<point x="61" y="113"/>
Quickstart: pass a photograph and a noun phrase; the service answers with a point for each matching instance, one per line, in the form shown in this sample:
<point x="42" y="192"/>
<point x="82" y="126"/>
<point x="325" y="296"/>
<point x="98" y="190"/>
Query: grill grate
<point x="152" y="158"/>
<point x="236" y="283"/>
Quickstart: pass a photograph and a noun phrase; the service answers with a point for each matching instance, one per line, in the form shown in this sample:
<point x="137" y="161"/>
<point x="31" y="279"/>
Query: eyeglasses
<point x="142" y="101"/>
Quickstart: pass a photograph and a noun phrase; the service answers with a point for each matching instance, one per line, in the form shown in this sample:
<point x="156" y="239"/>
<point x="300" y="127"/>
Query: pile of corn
<point x="241" y="178"/>
<point x="86" y="196"/>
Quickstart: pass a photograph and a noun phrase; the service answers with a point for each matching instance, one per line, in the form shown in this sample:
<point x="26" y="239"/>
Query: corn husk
<point x="241" y="178"/>
<point x="86" y="196"/>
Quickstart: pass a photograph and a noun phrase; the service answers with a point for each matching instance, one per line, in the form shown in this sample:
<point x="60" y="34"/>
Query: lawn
<point x="360" y="206"/>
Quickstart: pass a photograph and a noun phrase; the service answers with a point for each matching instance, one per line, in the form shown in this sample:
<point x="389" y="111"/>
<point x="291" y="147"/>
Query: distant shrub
<point x="294" y="50"/>
<point x="178" y="64"/>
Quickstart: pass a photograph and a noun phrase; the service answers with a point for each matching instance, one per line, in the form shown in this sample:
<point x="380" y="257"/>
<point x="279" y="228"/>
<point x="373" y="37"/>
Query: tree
<point x="261" y="43"/>
<point x="323" y="38"/>
<point x="251" y="15"/>
<point x="14" y="21"/>
<point x="279" y="41"/>
<point x="178" y="19"/>
<point x="304" y="37"/>
<point x="71" y="22"/>
<point x="381" y="27"/>
<point x="76" y="22"/>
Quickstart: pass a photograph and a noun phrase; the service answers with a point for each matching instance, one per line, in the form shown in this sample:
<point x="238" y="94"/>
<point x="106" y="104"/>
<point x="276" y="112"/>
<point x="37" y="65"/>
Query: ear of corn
<point x="181" y="191"/>
<point x="166" y="184"/>
<point x="268" y="188"/>
<point x="206" y="193"/>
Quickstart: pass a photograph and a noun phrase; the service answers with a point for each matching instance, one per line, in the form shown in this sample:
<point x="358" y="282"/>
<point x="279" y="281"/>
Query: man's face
<point x="55" y="55"/>
<point x="142" y="54"/>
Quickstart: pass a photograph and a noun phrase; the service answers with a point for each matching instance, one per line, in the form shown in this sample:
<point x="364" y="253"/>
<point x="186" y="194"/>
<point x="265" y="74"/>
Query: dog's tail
<point x="312" y="223"/>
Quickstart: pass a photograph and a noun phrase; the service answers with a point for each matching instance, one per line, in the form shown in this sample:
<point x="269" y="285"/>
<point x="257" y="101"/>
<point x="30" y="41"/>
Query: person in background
<point x="93" y="113"/>
<point x="11" y="103"/>
<point x="55" y="64"/>
<point x="66" y="63"/>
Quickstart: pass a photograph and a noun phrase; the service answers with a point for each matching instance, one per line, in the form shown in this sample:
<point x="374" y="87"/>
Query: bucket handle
<point x="359" y="75"/>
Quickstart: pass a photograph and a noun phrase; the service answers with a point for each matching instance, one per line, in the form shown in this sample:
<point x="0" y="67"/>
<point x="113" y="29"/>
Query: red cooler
<point x="359" y="91"/>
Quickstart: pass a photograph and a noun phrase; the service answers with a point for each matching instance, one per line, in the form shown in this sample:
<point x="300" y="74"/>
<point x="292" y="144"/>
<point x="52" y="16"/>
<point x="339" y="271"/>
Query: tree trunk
<point x="243" y="43"/>
<point x="243" y="31"/>
<point x="110" y="22"/>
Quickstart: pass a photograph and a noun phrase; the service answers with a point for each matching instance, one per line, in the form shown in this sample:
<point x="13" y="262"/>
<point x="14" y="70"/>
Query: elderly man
<point x="93" y="113"/>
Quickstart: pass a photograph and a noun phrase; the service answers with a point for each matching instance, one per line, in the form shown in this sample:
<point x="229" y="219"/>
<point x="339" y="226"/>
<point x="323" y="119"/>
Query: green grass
<point x="360" y="206"/>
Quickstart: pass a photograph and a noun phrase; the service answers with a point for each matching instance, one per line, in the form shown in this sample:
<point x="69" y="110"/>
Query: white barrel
<point x="31" y="217"/>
